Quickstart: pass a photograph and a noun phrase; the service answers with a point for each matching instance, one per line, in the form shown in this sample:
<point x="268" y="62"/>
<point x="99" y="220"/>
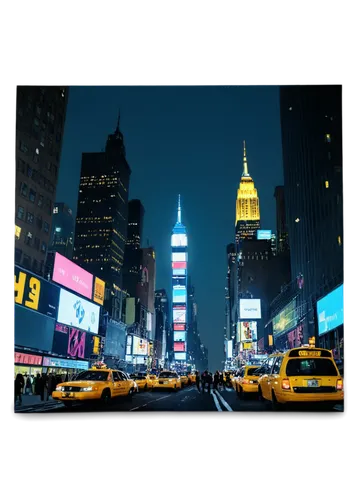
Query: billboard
<point x="35" y="293"/>
<point x="78" y="312"/>
<point x="264" y="234"/>
<point x="130" y="310"/>
<point x="33" y="330"/>
<point x="248" y="331"/>
<point x="179" y="272"/>
<point x="140" y="347"/>
<point x="285" y="320"/>
<point x="180" y="336"/>
<point x="179" y="327"/>
<point x="27" y="359"/>
<point x="71" y="276"/>
<point x="180" y="356"/>
<point x="179" y="240"/>
<point x="69" y="341"/>
<point x="179" y="316"/>
<point x="179" y="347"/>
<point x="179" y="257"/>
<point x="98" y="291"/>
<point x="229" y="349"/>
<point x="179" y="265"/>
<point x="179" y="294"/>
<point x="250" y="309"/>
<point x="65" y="363"/>
<point x="330" y="311"/>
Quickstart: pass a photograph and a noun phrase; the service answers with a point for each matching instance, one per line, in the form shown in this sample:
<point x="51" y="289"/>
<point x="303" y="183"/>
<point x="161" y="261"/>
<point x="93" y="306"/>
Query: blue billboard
<point x="330" y="311"/>
<point x="264" y="234"/>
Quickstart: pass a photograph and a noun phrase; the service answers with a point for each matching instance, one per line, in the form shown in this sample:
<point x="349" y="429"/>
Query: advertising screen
<point x="179" y="280"/>
<point x="149" y="321"/>
<point x="71" y="276"/>
<point x="229" y="349"/>
<point x="285" y="320"/>
<point x="179" y="336"/>
<point x="179" y="265"/>
<point x="180" y="356"/>
<point x="36" y="293"/>
<point x="78" y="312"/>
<point x="27" y="359"/>
<point x="250" y="309"/>
<point x="179" y="294"/>
<point x="179" y="327"/>
<point x="179" y="347"/>
<point x="179" y="316"/>
<point x="179" y="272"/>
<point x="248" y="331"/>
<point x="69" y="341"/>
<point x="330" y="311"/>
<point x="98" y="291"/>
<point x="179" y="240"/>
<point x="179" y="256"/>
<point x="65" y="363"/>
<point x="140" y="347"/>
<point x="264" y="234"/>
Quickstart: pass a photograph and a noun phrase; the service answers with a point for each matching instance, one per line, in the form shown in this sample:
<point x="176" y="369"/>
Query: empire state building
<point x="247" y="220"/>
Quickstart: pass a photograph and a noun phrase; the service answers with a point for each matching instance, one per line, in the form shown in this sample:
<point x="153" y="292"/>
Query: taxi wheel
<point x="276" y="406"/>
<point x="130" y="393"/>
<point x="175" y="388"/>
<point x="106" y="397"/>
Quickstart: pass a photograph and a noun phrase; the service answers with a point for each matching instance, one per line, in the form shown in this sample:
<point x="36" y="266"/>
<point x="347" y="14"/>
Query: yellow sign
<point x="95" y="345"/>
<point x="270" y="340"/>
<point x="247" y="345"/>
<point x="17" y="232"/>
<point x="312" y="341"/>
<point x="317" y="354"/>
<point x="99" y="287"/>
<point x="34" y="287"/>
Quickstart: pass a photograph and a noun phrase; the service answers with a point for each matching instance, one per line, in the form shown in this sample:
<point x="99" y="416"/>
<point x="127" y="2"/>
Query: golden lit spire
<point x="246" y="171"/>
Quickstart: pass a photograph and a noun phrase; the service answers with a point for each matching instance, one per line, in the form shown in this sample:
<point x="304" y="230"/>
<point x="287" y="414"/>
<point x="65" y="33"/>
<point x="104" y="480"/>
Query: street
<point x="188" y="399"/>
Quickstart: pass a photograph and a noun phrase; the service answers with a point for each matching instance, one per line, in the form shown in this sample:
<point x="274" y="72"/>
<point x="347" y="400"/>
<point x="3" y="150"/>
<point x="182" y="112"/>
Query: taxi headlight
<point x="60" y="388"/>
<point x="86" y="389"/>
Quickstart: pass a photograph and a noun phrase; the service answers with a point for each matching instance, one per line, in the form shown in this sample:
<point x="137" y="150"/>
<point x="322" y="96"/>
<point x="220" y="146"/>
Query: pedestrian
<point x="41" y="385"/>
<point x="203" y="380"/>
<point x="37" y="384"/>
<point x="197" y="380"/>
<point x="221" y="380"/>
<point x="19" y="385"/>
<point x="209" y="380"/>
<point x="216" y="380"/>
<point x="50" y="384"/>
<point x="28" y="385"/>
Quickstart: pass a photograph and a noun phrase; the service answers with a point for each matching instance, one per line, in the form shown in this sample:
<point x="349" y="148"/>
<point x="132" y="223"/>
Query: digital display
<point x="179" y="265"/>
<point x="179" y="272"/>
<point x="65" y="363"/>
<point x="179" y="294"/>
<point x="179" y="316"/>
<point x="229" y="349"/>
<point x="35" y="293"/>
<point x="285" y="320"/>
<point x="179" y="327"/>
<point x="140" y="347"/>
<point x="69" y="341"/>
<point x="247" y="345"/>
<point x="179" y="346"/>
<point x="180" y="356"/>
<point x="248" y="331"/>
<point x="179" y="240"/>
<point x="179" y="336"/>
<point x="28" y="359"/>
<point x="250" y="309"/>
<point x="71" y="276"/>
<point x="179" y="256"/>
<point x="330" y="311"/>
<point x="98" y="291"/>
<point x="264" y="234"/>
<point x="78" y="312"/>
<point x="149" y="321"/>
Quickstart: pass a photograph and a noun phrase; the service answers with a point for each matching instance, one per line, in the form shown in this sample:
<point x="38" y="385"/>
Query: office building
<point x="162" y="327"/>
<point x="62" y="236"/>
<point x="40" y="121"/>
<point x="133" y="254"/>
<point x="281" y="223"/>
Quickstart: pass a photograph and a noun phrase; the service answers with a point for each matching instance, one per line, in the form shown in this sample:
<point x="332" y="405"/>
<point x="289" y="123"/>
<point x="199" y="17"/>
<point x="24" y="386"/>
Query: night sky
<point x="185" y="140"/>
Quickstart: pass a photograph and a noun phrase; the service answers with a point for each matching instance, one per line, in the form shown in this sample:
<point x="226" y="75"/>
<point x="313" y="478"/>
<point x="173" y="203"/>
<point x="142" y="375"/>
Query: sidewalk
<point x="34" y="401"/>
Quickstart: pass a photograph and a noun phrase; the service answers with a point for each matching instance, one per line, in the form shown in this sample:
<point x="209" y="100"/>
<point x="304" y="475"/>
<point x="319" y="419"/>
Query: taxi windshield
<point x="138" y="376"/>
<point x="310" y="367"/>
<point x="167" y="375"/>
<point x="92" y="375"/>
<point x="251" y="371"/>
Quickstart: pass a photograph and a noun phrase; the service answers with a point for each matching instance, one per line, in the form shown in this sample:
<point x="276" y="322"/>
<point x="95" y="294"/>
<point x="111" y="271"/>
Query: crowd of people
<point x="206" y="379"/>
<point x="40" y="385"/>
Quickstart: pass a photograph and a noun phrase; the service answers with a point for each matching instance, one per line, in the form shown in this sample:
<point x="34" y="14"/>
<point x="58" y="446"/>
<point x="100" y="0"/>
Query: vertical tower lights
<point x="179" y="243"/>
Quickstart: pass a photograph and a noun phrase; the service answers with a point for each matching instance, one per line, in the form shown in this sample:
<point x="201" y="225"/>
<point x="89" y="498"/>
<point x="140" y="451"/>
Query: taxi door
<point x="126" y="384"/>
<point x="274" y="378"/>
<point x="117" y="384"/>
<point x="265" y="383"/>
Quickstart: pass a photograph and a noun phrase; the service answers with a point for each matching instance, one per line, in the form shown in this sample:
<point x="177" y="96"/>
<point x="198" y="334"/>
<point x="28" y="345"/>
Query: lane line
<point x="149" y="402"/>
<point x="227" y="406"/>
<point x="216" y="401"/>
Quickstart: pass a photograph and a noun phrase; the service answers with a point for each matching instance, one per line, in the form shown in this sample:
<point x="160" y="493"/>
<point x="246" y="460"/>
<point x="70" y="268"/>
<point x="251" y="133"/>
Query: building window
<point x="43" y="247"/>
<point x="46" y="227"/>
<point x="39" y="222"/>
<point x="21" y="166"/>
<point x="339" y="241"/>
<point x="40" y="201"/>
<point x="35" y="266"/>
<point x="28" y="238"/>
<point x="26" y="261"/>
<point x="29" y="171"/>
<point x="23" y="147"/>
<point x="20" y="213"/>
<point x="23" y="189"/>
<point x="327" y="138"/>
<point x="38" y="110"/>
<point x="30" y="218"/>
<point x="37" y="243"/>
<point x="326" y="183"/>
<point x="18" y="254"/>
<point x="17" y="232"/>
<point x="32" y="196"/>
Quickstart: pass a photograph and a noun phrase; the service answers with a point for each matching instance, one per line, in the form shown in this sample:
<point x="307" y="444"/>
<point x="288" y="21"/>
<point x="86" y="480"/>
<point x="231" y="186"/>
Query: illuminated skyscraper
<point x="179" y="243"/>
<point x="247" y="220"/>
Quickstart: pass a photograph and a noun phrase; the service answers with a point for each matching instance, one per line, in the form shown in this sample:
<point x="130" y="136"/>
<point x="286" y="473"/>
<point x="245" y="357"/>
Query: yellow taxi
<point x="142" y="380"/>
<point x="152" y="378"/>
<point x="184" y="379"/>
<point x="246" y="381"/>
<point x="101" y="384"/>
<point x="168" y="380"/>
<point x="192" y="378"/>
<point x="300" y="375"/>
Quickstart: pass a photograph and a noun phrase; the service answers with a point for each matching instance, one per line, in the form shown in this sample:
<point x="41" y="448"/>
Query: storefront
<point x="63" y="367"/>
<point x="27" y="364"/>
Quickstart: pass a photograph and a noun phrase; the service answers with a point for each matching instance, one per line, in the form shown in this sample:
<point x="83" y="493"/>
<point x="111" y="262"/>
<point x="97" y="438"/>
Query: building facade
<point x="62" y="235"/>
<point x="40" y="121"/>
<point x="162" y="327"/>
<point x="133" y="254"/>
<point x="281" y="223"/>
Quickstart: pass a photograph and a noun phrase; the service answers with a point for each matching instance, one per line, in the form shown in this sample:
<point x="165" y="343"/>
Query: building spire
<point x="246" y="171"/>
<point x="179" y="210"/>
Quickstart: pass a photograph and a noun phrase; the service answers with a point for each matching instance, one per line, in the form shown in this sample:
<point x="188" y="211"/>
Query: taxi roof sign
<point x="309" y="352"/>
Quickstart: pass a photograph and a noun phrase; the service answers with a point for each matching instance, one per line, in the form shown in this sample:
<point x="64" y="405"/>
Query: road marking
<point x="228" y="407"/>
<point x="216" y="401"/>
<point x="149" y="402"/>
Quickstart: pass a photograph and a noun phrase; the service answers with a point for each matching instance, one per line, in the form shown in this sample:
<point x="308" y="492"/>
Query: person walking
<point x="28" y="385"/>
<point x="41" y="385"/>
<point x="209" y="379"/>
<point x="19" y="385"/>
<point x="203" y="380"/>
<point x="221" y="380"/>
<point x="216" y="380"/>
<point x="197" y="380"/>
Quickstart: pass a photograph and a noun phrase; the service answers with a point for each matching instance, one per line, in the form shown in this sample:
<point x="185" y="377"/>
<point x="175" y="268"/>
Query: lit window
<point x="339" y="241"/>
<point x="297" y="220"/>
<point x="55" y="210"/>
<point x="290" y="108"/>
<point x="326" y="184"/>
<point x="17" y="232"/>
<point x="20" y="213"/>
<point x="328" y="137"/>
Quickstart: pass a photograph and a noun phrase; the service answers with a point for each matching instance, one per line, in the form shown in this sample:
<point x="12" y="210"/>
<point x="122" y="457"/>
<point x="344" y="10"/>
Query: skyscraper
<point x="102" y="211"/>
<point x="135" y="224"/>
<point x="247" y="220"/>
<point x="62" y="236"/>
<point x="40" y="121"/>
<point x="162" y="326"/>
<point x="133" y="255"/>
<point x="179" y="243"/>
<point x="281" y="224"/>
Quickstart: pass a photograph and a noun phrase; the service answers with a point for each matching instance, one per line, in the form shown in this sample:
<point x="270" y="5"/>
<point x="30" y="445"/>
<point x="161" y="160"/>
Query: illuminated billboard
<point x="248" y="331"/>
<point x="179" y="294"/>
<point x="264" y="234"/>
<point x="180" y="336"/>
<point x="71" y="276"/>
<point x="179" y="316"/>
<point x="98" y="291"/>
<point x="250" y="309"/>
<point x="78" y="312"/>
<point x="179" y="272"/>
<point x="179" y="265"/>
<point x="330" y="311"/>
<point x="285" y="320"/>
<point x="179" y="240"/>
<point x="179" y="347"/>
<point x="140" y="347"/>
<point x="179" y="327"/>
<point x="180" y="356"/>
<point x="179" y="257"/>
<point x="229" y="349"/>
